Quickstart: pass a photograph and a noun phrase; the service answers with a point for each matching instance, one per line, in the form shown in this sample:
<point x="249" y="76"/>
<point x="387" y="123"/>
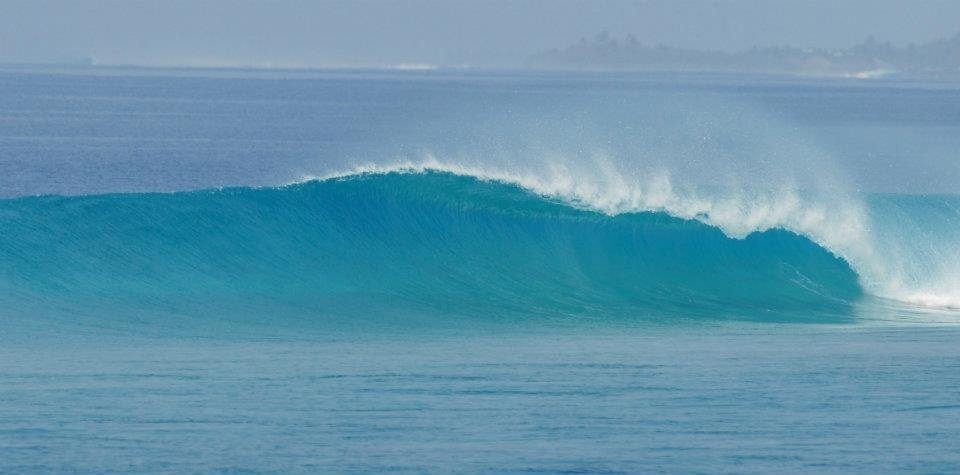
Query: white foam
<point x="413" y="67"/>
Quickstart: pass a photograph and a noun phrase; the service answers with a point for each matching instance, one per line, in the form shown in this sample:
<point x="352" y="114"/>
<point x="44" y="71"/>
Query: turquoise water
<point x="233" y="270"/>
<point x="394" y="249"/>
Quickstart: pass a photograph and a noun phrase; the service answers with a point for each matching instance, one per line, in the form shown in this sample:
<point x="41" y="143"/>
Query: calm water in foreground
<point x="720" y="399"/>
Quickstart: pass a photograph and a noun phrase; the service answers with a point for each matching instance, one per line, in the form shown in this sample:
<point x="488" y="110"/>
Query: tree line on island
<point x="871" y="58"/>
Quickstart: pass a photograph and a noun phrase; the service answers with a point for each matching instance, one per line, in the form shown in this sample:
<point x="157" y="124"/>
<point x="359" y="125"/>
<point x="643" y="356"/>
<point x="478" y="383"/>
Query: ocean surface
<point x="352" y="271"/>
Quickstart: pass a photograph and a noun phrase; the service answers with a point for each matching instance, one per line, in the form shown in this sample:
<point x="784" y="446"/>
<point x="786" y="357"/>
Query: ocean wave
<point x="901" y="248"/>
<point x="406" y="244"/>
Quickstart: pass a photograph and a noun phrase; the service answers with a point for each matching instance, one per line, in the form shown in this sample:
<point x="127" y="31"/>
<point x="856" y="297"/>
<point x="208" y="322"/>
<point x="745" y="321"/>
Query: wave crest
<point x="841" y="223"/>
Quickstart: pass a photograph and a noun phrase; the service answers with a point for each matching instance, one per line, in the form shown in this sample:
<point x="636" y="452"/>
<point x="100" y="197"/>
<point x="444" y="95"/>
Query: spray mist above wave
<point x="728" y="165"/>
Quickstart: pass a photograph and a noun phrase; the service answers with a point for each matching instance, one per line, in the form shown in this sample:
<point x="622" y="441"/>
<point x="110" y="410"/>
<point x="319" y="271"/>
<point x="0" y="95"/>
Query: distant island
<point x="866" y="60"/>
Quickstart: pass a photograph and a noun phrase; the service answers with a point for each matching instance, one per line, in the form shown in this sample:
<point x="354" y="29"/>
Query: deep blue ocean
<point x="353" y="271"/>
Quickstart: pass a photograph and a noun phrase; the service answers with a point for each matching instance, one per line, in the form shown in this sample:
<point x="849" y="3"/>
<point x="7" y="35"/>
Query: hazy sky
<point x="482" y="33"/>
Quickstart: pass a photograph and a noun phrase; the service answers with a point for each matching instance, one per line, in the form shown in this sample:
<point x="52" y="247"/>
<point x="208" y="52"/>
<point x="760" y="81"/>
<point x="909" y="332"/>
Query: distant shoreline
<point x="868" y="60"/>
<point x="255" y="71"/>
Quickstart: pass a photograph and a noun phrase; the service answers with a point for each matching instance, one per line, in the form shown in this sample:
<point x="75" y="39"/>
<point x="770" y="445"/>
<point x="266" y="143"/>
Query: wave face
<point x="397" y="247"/>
